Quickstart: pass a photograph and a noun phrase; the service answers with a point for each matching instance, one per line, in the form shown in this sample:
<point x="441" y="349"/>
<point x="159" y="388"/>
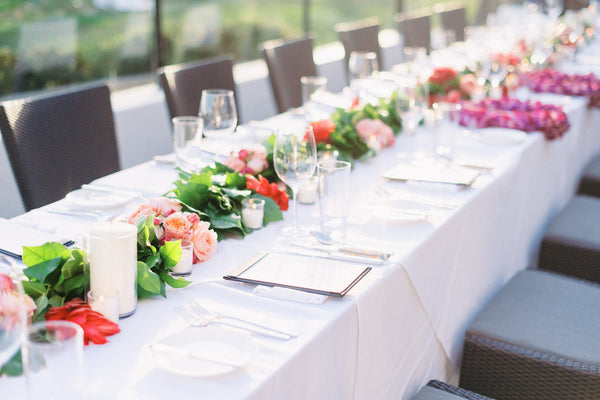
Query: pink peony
<point x="177" y="226"/>
<point x="143" y="210"/>
<point x="164" y="205"/>
<point x="375" y="133"/>
<point x="235" y="163"/>
<point x="467" y="84"/>
<point x="6" y="283"/>
<point x="205" y="241"/>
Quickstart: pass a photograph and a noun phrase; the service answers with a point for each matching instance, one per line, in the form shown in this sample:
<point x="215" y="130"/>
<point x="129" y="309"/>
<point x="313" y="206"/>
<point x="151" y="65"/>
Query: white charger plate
<point x="499" y="136"/>
<point x="215" y="342"/>
<point x="398" y="215"/>
<point x="98" y="200"/>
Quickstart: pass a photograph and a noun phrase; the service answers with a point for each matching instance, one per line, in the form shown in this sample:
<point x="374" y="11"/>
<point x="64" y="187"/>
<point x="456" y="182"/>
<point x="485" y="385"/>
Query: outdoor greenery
<point x="112" y="43"/>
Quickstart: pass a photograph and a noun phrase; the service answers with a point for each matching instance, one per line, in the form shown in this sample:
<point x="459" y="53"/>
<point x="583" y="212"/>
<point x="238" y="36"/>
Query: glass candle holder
<point x="308" y="191"/>
<point x="253" y="212"/>
<point x="184" y="266"/>
<point x="106" y="302"/>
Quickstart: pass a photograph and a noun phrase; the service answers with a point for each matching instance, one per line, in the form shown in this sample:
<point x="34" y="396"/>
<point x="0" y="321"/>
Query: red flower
<point x="95" y="326"/>
<point x="267" y="189"/>
<point x="442" y="75"/>
<point x="322" y="129"/>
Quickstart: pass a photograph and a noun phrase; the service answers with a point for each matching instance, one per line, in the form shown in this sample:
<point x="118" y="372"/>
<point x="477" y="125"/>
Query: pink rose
<point x="375" y="133"/>
<point x="177" y="226"/>
<point x="164" y="205"/>
<point x="6" y="283"/>
<point x="235" y="163"/>
<point x="257" y="164"/>
<point x="205" y="242"/>
<point x="143" y="210"/>
<point x="467" y="84"/>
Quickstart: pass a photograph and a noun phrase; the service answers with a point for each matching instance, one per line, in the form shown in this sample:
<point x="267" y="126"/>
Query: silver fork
<point x="208" y="316"/>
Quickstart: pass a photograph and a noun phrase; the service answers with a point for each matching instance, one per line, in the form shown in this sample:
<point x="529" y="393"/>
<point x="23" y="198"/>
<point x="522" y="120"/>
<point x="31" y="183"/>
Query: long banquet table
<point x="403" y="324"/>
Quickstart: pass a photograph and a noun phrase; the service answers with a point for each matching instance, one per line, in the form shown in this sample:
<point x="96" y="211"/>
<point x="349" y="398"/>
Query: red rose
<point x="267" y="189"/>
<point x="442" y="75"/>
<point x="453" y="96"/>
<point x="322" y="129"/>
<point x="95" y="326"/>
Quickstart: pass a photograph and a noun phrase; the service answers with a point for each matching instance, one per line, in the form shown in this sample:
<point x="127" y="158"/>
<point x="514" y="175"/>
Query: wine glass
<point x="361" y="67"/>
<point x="219" y="113"/>
<point x="412" y="101"/>
<point x="295" y="159"/>
<point x="13" y="309"/>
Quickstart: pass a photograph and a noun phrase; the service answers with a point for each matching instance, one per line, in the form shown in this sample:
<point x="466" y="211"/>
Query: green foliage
<point x="56" y="275"/>
<point x="216" y="195"/>
<point x="155" y="261"/>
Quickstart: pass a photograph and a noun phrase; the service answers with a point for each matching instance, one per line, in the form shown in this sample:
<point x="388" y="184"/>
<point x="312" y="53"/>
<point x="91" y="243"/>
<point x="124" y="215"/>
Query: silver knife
<point x="336" y="256"/>
<point x="355" y="251"/>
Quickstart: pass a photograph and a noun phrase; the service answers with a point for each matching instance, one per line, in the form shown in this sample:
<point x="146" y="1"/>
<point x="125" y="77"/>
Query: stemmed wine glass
<point x="219" y="113"/>
<point x="13" y="310"/>
<point x="295" y="159"/>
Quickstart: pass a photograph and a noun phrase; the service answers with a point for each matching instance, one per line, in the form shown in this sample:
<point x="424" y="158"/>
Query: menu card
<point x="432" y="173"/>
<point x="309" y="274"/>
<point x="13" y="236"/>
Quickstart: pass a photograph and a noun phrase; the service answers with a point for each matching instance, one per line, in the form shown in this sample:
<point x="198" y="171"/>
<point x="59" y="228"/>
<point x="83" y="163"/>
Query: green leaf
<point x="13" y="367"/>
<point x="75" y="287"/>
<point x="42" y="270"/>
<point x="148" y="280"/>
<point x="152" y="261"/>
<point x="174" y="282"/>
<point x="226" y="221"/>
<point x="56" y="301"/>
<point x="74" y="265"/>
<point x="42" y="307"/>
<point x="171" y="253"/>
<point x="35" y="289"/>
<point x="37" y="254"/>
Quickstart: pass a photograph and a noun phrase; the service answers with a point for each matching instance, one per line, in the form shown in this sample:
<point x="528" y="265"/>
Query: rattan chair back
<point x="57" y="142"/>
<point x="359" y="36"/>
<point x="415" y="27"/>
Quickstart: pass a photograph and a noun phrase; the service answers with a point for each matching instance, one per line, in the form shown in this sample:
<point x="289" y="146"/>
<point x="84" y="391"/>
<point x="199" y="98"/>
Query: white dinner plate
<point x="98" y="199"/>
<point x="215" y="343"/>
<point x="499" y="136"/>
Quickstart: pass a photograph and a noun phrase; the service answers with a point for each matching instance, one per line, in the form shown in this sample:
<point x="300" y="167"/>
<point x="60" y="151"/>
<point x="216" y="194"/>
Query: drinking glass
<point x="53" y="361"/>
<point x="218" y="112"/>
<point x="13" y="309"/>
<point x="411" y="102"/>
<point x="295" y="159"/>
<point x="362" y="64"/>
<point x="334" y="191"/>
<point x="312" y="88"/>
<point x="186" y="134"/>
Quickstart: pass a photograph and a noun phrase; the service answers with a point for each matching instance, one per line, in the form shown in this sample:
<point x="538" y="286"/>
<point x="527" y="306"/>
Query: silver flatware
<point x="334" y="255"/>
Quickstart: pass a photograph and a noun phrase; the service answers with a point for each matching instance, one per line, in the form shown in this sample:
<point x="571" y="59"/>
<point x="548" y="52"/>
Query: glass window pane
<point x="194" y="30"/>
<point x="55" y="43"/>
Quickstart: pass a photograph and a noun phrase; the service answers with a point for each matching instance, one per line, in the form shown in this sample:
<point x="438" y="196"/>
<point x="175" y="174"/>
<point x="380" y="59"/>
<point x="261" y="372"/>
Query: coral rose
<point x="205" y="241"/>
<point x="322" y="130"/>
<point x="177" y="226"/>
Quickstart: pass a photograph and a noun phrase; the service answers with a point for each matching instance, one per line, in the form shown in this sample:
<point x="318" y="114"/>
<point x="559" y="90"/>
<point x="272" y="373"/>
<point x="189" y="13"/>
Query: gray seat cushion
<point x="590" y="181"/>
<point x="571" y="245"/>
<point x="438" y="390"/>
<point x="537" y="339"/>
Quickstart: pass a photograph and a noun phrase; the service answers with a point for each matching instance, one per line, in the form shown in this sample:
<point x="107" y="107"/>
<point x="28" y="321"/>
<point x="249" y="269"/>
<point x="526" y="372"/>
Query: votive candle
<point x="106" y="302"/>
<point x="253" y="213"/>
<point x="184" y="266"/>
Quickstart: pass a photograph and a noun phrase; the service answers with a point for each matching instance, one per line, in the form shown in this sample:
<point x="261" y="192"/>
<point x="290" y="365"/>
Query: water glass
<point x="334" y="192"/>
<point x="411" y="102"/>
<point x="362" y="64"/>
<point x="312" y="88"/>
<point x="218" y="112"/>
<point x="185" y="139"/>
<point x="53" y="361"/>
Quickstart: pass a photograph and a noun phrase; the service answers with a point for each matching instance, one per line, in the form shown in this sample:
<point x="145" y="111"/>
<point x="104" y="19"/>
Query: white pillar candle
<point x="252" y="213"/>
<point x="106" y="302"/>
<point x="111" y="249"/>
<point x="184" y="266"/>
<point x="308" y="192"/>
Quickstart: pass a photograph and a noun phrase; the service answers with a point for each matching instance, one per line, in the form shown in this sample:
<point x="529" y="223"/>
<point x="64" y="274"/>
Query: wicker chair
<point x="590" y="180"/>
<point x="359" y="36"/>
<point x="536" y="340"/>
<point x="183" y="83"/>
<point x="415" y="27"/>
<point x="57" y="142"/>
<point x="287" y="62"/>
<point x="571" y="244"/>
<point x="454" y="18"/>
<point x="437" y="390"/>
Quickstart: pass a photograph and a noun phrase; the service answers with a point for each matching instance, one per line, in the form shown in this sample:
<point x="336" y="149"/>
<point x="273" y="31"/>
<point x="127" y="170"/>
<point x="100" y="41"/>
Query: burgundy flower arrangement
<point x="553" y="81"/>
<point x="515" y="114"/>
